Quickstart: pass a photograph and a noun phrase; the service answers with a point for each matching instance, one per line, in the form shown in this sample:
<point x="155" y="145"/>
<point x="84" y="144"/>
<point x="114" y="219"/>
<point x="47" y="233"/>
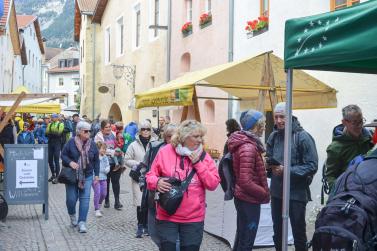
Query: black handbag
<point x="135" y="173"/>
<point x="170" y="201"/>
<point x="68" y="176"/>
<point x="3" y="208"/>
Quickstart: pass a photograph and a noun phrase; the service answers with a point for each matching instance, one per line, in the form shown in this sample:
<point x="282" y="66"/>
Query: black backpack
<point x="227" y="176"/>
<point x="349" y="220"/>
<point x="3" y="208"/>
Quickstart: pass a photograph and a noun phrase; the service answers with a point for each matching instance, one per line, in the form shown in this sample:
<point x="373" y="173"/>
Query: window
<point x="208" y="6"/>
<point x="209" y="111"/>
<point x="70" y="62"/>
<point x="137" y="41"/>
<point x="264" y="8"/>
<point x="62" y="63"/>
<point x="77" y="82"/>
<point x="61" y="81"/>
<point x="120" y="35"/>
<point x="107" y="45"/>
<point x="156" y="15"/>
<point x="185" y="62"/>
<point x="339" y="4"/>
<point x="188" y="10"/>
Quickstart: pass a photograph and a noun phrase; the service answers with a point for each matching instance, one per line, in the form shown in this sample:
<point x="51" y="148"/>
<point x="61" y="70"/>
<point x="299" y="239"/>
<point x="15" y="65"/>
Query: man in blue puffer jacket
<point x="25" y="136"/>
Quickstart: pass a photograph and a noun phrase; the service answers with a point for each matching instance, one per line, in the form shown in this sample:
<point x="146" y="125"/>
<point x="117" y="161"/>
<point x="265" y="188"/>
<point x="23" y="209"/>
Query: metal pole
<point x="287" y="158"/>
<point x="94" y="71"/>
<point x="230" y="51"/>
<point x="168" y="43"/>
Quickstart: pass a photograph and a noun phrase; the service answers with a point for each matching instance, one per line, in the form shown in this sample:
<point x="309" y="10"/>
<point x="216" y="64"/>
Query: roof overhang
<point x="99" y="10"/>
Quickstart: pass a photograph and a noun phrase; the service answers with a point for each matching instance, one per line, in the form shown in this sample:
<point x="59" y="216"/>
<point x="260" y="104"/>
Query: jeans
<point x="190" y="235"/>
<point x="73" y="193"/>
<point x="114" y="178"/>
<point x="297" y="211"/>
<point x="248" y="215"/>
<point x="54" y="149"/>
<point x="152" y="226"/>
<point x="100" y="191"/>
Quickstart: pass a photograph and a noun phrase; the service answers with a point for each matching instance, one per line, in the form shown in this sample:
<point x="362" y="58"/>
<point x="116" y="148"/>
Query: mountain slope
<point x="55" y="17"/>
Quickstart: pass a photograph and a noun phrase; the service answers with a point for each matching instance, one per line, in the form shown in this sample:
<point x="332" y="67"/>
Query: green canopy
<point x="343" y="40"/>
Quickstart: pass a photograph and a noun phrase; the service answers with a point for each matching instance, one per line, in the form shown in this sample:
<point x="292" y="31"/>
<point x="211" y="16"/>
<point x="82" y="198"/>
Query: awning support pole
<point x="287" y="158"/>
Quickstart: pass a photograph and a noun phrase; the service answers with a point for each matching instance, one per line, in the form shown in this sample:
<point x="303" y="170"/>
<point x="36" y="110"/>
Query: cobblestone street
<point x="26" y="229"/>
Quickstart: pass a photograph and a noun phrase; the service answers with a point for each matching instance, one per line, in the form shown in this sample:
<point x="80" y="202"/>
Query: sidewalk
<point x="26" y="229"/>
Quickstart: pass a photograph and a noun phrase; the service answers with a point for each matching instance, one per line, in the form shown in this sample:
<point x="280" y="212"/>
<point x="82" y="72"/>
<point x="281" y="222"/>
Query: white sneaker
<point x="98" y="213"/>
<point x="73" y="220"/>
<point x="82" y="227"/>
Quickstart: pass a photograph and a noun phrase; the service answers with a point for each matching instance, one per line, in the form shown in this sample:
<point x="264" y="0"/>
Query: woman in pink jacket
<point x="177" y="160"/>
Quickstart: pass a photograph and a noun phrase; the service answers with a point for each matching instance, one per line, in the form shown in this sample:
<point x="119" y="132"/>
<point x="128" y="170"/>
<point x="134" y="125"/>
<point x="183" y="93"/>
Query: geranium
<point x="205" y="18"/>
<point x="257" y="24"/>
<point x="187" y="27"/>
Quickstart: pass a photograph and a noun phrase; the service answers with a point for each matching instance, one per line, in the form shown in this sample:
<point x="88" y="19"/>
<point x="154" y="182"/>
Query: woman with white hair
<point x="134" y="155"/>
<point x="182" y="158"/>
<point x="81" y="154"/>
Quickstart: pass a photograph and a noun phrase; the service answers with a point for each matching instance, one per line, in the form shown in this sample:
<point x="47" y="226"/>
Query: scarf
<point x="256" y="139"/>
<point x="144" y="141"/>
<point x="83" y="159"/>
<point x="184" y="151"/>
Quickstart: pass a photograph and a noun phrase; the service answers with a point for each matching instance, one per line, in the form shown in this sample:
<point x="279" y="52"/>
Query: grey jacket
<point x="304" y="162"/>
<point x="104" y="167"/>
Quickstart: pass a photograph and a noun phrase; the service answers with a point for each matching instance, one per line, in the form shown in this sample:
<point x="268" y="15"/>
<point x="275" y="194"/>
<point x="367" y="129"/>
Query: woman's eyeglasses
<point x="145" y="129"/>
<point x="86" y="131"/>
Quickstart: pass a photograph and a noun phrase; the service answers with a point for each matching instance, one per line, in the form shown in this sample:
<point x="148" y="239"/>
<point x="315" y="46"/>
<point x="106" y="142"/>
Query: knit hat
<point x="280" y="108"/>
<point x="54" y="116"/>
<point x="249" y="118"/>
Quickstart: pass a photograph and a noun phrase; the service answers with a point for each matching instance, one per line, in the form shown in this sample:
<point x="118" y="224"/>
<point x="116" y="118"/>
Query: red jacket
<point x="192" y="208"/>
<point x="249" y="169"/>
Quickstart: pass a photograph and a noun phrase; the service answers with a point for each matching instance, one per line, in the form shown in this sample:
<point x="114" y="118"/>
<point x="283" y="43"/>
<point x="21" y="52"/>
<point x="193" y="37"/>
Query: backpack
<point x="227" y="176"/>
<point x="349" y="220"/>
<point x="94" y="129"/>
<point x="325" y="185"/>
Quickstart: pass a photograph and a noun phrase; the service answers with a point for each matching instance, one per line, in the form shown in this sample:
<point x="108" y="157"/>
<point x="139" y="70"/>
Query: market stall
<point x="258" y="82"/>
<point x="342" y="41"/>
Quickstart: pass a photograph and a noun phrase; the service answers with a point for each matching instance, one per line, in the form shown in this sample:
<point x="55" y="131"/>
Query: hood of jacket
<point x="338" y="134"/>
<point x="239" y="138"/>
<point x="296" y="126"/>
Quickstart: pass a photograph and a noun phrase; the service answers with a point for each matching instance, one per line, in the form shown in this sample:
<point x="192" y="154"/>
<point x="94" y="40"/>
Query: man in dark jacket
<point x="349" y="140"/>
<point x="75" y="120"/>
<point x="304" y="164"/>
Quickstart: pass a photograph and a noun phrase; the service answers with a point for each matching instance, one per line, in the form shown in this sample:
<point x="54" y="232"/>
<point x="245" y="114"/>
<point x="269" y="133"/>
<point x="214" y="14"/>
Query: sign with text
<point x="25" y="176"/>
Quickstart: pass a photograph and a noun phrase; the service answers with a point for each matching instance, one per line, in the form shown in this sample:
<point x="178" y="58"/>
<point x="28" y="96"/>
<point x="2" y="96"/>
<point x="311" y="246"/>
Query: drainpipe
<point x="168" y="43"/>
<point x="230" y="51"/>
<point x="94" y="71"/>
<point x="23" y="75"/>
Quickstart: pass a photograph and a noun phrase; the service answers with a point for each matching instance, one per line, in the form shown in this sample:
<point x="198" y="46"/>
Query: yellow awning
<point x="48" y="108"/>
<point x="242" y="79"/>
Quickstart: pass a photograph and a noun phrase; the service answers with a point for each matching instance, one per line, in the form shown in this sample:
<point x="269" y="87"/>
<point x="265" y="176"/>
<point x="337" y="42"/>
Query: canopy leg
<point x="287" y="158"/>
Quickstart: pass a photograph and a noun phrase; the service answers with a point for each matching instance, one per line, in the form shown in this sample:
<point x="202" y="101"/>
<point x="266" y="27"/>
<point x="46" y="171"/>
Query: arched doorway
<point x="115" y="112"/>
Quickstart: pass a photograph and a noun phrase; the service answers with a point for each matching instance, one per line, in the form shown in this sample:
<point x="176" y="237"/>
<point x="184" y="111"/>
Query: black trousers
<point x="114" y="177"/>
<point x="190" y="235"/>
<point x="248" y="215"/>
<point x="297" y="211"/>
<point x="54" y="149"/>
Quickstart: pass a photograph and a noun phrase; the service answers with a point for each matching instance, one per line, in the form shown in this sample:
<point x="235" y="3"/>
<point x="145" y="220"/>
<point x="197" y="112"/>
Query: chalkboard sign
<point x="26" y="172"/>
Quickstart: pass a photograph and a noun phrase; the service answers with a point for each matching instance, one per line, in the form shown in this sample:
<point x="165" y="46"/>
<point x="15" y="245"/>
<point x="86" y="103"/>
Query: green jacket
<point x="54" y="131"/>
<point x="342" y="150"/>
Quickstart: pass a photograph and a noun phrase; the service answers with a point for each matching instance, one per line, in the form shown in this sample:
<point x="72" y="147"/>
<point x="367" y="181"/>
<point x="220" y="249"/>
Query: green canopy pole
<point x="287" y="158"/>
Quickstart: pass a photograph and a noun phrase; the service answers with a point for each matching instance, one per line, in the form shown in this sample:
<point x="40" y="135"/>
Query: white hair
<point x="145" y="124"/>
<point x="82" y="125"/>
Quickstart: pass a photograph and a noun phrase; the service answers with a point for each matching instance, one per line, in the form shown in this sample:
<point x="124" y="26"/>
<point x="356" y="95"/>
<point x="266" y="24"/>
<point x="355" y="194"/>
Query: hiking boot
<point x="73" y="220"/>
<point x="55" y="181"/>
<point x="98" y="213"/>
<point x="139" y="232"/>
<point x="118" y="206"/>
<point x="82" y="227"/>
<point x="51" y="178"/>
<point x="107" y="204"/>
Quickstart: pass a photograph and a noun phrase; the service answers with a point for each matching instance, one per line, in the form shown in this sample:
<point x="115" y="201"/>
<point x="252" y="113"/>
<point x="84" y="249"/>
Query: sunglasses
<point x="86" y="131"/>
<point x="145" y="129"/>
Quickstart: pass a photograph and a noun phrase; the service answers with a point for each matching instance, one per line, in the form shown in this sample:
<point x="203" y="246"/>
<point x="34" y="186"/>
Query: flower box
<point x="257" y="26"/>
<point x="186" y="29"/>
<point x="205" y="20"/>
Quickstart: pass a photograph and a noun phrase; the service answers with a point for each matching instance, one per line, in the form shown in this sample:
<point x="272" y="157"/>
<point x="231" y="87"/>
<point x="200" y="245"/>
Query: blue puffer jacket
<point x="40" y="134"/>
<point x="71" y="153"/>
<point x="25" y="138"/>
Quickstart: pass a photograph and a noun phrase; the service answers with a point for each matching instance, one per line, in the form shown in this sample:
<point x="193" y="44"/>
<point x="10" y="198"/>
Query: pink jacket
<point x="167" y="164"/>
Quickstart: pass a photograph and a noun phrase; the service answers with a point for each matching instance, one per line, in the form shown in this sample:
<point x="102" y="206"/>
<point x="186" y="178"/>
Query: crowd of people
<point x="160" y="158"/>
